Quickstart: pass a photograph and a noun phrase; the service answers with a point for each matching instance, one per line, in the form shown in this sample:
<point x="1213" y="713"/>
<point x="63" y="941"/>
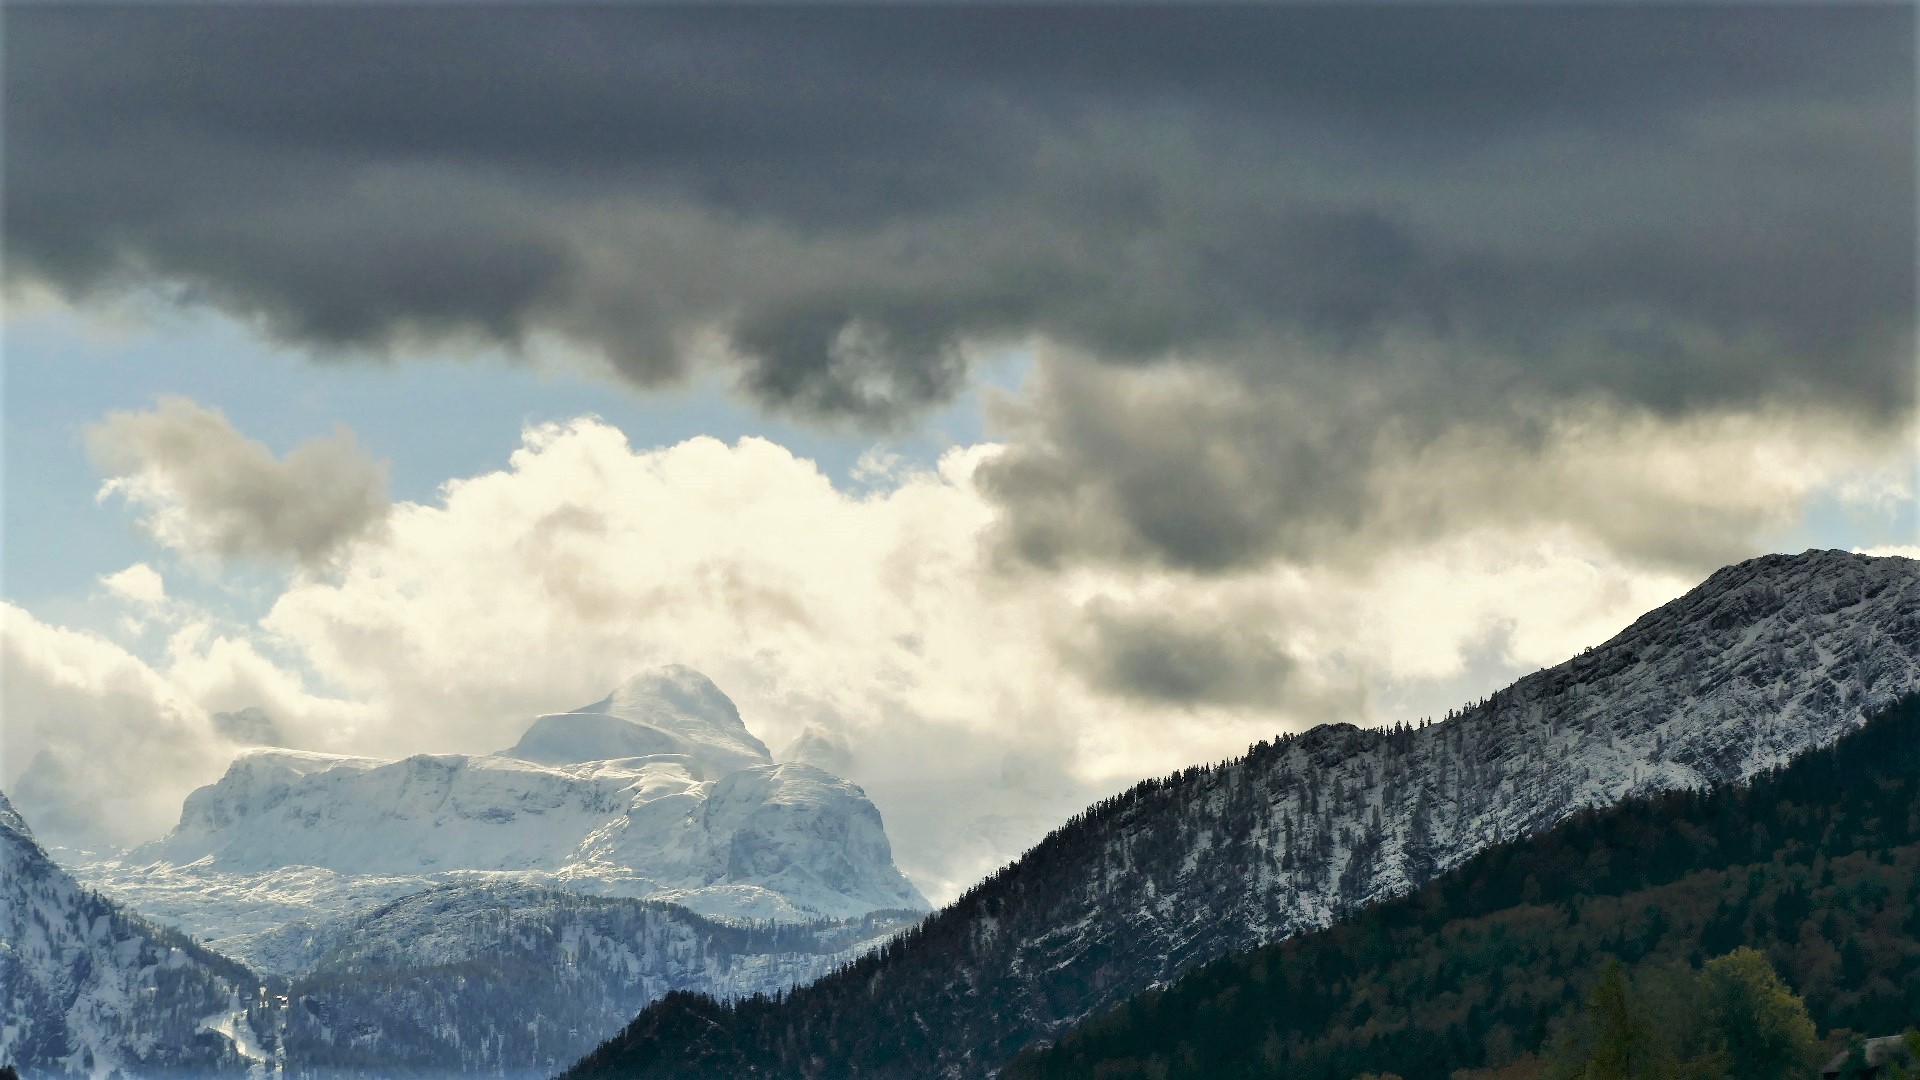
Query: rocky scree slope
<point x="1765" y="660"/>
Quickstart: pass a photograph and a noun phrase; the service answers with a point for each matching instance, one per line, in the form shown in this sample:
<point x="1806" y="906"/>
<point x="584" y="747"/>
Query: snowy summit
<point x="673" y="711"/>
<point x="656" y="791"/>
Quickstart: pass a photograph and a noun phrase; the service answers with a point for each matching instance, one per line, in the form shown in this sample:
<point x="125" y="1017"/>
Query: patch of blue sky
<point x="1832" y="519"/>
<point x="431" y="418"/>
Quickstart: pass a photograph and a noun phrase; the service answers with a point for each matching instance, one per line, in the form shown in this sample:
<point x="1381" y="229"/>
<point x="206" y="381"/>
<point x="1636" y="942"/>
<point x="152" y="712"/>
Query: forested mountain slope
<point x="1763" y="661"/>
<point x="89" y="989"/>
<point x="516" y="980"/>
<point x="1818" y="864"/>
<point x="478" y="979"/>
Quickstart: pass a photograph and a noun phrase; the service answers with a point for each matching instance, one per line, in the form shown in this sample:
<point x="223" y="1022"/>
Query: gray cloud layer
<point x="1378" y="253"/>
<point x="1677" y="206"/>
<point x="1313" y="284"/>
<point x="210" y="490"/>
<point x="1164" y="657"/>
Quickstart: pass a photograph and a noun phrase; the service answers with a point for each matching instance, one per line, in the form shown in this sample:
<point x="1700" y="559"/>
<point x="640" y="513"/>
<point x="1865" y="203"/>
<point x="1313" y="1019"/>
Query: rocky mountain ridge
<point x="1765" y="660"/>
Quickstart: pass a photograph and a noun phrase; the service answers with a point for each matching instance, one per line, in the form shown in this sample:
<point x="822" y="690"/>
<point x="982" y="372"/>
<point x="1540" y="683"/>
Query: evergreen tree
<point x="1620" y="1040"/>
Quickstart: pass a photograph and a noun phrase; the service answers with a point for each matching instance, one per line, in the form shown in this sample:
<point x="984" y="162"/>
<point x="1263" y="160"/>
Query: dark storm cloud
<point x="1365" y="237"/>
<point x="1198" y="469"/>
<point x="1181" y="659"/>
<point x="210" y="490"/>
<point x="1676" y="205"/>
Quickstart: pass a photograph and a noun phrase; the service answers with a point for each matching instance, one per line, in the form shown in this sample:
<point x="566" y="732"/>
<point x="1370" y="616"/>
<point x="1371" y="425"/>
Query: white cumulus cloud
<point x="96" y="746"/>
<point x="138" y="584"/>
<point x="881" y="627"/>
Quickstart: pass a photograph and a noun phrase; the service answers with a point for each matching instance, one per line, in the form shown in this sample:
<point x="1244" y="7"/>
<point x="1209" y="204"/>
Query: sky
<point x="1001" y="403"/>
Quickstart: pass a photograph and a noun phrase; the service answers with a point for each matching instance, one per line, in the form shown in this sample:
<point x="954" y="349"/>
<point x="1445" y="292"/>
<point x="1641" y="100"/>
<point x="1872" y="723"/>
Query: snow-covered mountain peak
<point x="298" y="762"/>
<point x="672" y="710"/>
<point x="656" y="791"/>
<point x="670" y="695"/>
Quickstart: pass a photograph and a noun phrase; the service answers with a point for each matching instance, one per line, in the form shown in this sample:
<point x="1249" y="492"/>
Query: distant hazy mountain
<point x="496" y="979"/>
<point x="500" y="914"/>
<point x="657" y="791"/>
<point x="1763" y="661"/>
<point x="518" y="981"/>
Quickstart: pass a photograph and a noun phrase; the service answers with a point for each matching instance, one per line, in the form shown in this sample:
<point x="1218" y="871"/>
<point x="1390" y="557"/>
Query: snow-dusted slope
<point x="517" y="980"/>
<point x="478" y="979"/>
<point x="472" y="915"/>
<point x="87" y="989"/>
<point x="1763" y="661"/>
<point x="690" y="809"/>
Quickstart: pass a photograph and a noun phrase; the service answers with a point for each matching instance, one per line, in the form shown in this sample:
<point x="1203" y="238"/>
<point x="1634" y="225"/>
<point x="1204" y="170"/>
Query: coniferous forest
<point x="1815" y="865"/>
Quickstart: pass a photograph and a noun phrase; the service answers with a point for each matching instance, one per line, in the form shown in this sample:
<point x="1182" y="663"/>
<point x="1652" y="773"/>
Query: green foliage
<point x="1620" y="1040"/>
<point x="1855" y="1066"/>
<point x="1763" y="1028"/>
<point x="1497" y="958"/>
<point x="1734" y="1019"/>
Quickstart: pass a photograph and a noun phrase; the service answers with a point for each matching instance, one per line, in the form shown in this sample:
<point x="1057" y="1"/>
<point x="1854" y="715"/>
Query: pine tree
<point x="1622" y="1043"/>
